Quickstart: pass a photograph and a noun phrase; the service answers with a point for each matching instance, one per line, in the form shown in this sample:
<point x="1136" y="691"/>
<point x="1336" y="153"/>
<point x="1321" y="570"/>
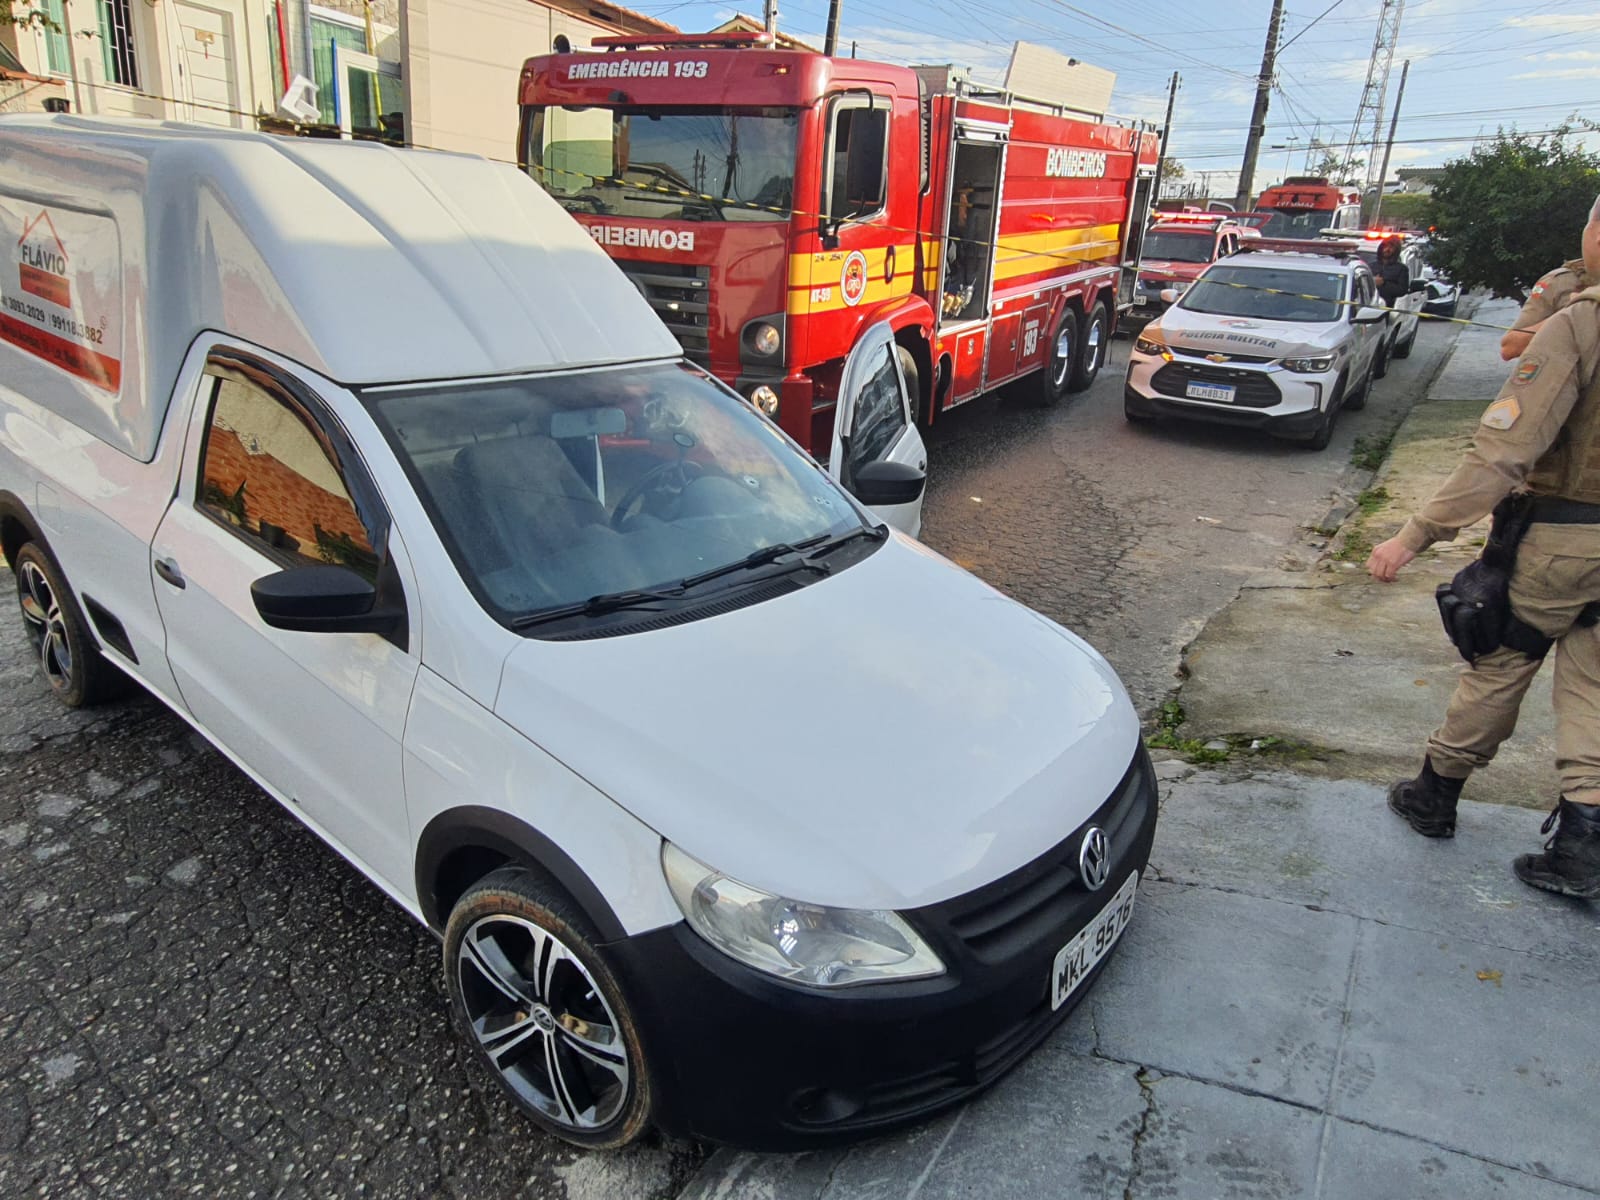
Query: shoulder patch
<point x="1502" y="414"/>
<point x="1528" y="371"/>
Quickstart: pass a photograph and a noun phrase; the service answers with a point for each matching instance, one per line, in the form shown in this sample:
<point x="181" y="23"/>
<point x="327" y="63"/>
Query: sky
<point x="1475" y="65"/>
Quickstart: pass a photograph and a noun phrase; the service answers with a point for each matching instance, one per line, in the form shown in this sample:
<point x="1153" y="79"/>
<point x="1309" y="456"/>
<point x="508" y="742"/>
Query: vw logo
<point x="544" y="1019"/>
<point x="1094" y="858"/>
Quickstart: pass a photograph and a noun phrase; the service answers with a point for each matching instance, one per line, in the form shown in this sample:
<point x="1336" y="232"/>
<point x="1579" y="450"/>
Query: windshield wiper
<point x="876" y="533"/>
<point x="597" y="606"/>
<point x="760" y="558"/>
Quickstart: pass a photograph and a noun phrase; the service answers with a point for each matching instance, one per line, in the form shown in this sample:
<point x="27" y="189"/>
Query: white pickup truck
<point x="737" y="812"/>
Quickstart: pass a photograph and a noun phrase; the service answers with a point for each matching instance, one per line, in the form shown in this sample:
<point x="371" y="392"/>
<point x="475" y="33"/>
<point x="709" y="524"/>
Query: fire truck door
<point x="856" y="205"/>
<point x="972" y="216"/>
<point x="1139" y="198"/>
<point x="877" y="453"/>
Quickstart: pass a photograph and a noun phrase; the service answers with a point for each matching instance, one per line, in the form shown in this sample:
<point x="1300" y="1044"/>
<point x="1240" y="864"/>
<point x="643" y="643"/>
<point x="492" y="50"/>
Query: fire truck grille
<point x="1252" y="389"/>
<point x="680" y="294"/>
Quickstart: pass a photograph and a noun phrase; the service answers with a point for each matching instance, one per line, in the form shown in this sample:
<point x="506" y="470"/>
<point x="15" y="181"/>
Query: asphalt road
<point x="1133" y="536"/>
<point x="198" y="998"/>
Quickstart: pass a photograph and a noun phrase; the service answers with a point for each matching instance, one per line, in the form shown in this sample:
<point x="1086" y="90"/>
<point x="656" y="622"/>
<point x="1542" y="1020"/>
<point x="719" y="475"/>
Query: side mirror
<point x="1369" y="315"/>
<point x="323" y="599"/>
<point x="1170" y="295"/>
<point x="887" y="483"/>
<point x="1419" y="285"/>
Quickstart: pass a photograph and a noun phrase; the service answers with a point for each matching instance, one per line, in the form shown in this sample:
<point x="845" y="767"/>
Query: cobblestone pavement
<point x="198" y="998"/>
<point x="1135" y="536"/>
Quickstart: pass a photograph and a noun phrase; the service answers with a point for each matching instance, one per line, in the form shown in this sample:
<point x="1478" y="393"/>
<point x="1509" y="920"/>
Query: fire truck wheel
<point x="908" y="368"/>
<point x="1056" y="378"/>
<point x="1093" y="351"/>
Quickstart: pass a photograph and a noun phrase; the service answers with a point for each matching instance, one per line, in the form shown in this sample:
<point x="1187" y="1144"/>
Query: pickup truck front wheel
<point x="68" y="655"/>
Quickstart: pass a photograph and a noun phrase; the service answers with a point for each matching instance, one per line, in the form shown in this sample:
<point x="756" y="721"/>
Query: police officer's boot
<point x="1428" y="802"/>
<point x="1570" y="864"/>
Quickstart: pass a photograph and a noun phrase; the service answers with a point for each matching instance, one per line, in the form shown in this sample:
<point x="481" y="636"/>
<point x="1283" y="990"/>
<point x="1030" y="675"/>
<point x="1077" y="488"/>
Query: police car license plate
<point x="1220" y="392"/>
<point x="1078" y="957"/>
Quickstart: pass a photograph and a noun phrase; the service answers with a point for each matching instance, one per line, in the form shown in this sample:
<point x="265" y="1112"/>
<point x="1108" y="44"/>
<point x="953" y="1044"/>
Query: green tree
<point x="1334" y="167"/>
<point x="1512" y="209"/>
<point x="1171" y="168"/>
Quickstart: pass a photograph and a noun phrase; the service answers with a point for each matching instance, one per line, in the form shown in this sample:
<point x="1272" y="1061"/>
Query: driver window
<point x="857" y="182"/>
<point x="879" y="420"/>
<point x="267" y="473"/>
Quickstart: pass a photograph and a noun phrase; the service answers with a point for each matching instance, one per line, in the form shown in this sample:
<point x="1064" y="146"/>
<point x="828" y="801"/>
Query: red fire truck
<point x="774" y="205"/>
<point x="1302" y="206"/>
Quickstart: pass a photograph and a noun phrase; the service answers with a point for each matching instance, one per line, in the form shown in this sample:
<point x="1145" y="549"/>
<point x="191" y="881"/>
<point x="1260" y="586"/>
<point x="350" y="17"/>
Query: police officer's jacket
<point x="1541" y="434"/>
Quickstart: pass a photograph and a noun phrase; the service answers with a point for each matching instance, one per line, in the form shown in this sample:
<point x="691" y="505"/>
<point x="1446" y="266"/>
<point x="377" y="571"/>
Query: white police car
<point x="1269" y="339"/>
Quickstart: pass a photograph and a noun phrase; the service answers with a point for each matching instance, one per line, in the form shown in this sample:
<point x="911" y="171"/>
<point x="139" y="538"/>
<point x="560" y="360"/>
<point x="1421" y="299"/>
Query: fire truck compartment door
<point x="873" y="422"/>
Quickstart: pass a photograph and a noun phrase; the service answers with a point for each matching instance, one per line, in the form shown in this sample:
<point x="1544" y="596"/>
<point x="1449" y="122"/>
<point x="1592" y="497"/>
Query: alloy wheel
<point x="1062" y="363"/>
<point x="543" y="1021"/>
<point x="47" y="625"/>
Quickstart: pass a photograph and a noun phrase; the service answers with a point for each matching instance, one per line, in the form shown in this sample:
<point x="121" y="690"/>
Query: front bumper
<point x="742" y="1058"/>
<point x="1266" y="396"/>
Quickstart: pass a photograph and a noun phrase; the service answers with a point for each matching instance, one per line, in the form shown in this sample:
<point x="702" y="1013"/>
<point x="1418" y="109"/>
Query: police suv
<point x="1269" y="339"/>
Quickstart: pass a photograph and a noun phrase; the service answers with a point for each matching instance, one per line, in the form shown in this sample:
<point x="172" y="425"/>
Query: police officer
<point x="1542" y="434"/>
<point x="1549" y="296"/>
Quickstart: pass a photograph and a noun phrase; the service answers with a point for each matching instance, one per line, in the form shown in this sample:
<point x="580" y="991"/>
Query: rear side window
<point x="269" y="473"/>
<point x="857" y="184"/>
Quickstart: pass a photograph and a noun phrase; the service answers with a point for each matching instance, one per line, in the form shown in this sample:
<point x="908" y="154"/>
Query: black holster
<point x="1476" y="605"/>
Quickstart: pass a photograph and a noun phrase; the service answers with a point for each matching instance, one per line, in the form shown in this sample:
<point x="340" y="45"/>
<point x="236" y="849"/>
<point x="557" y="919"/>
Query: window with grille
<point x="116" y="42"/>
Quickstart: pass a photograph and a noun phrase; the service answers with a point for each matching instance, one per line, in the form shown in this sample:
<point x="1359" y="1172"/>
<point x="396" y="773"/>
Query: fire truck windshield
<point x="1293" y="222"/>
<point x="1170" y="245"/>
<point x="661" y="162"/>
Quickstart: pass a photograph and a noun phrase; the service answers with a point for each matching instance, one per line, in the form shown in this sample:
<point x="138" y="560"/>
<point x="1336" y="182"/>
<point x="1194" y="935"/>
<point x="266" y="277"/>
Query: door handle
<point x="888" y="264"/>
<point x="168" y="570"/>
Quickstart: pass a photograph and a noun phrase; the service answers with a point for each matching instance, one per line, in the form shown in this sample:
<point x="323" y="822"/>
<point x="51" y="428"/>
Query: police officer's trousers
<point x="1557" y="575"/>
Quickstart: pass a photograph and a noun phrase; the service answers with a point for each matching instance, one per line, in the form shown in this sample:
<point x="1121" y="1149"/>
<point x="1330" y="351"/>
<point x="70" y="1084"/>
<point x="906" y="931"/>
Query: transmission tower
<point x="1369" y="113"/>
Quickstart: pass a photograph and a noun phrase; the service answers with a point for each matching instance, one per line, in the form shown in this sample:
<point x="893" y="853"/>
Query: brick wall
<point x="276" y="493"/>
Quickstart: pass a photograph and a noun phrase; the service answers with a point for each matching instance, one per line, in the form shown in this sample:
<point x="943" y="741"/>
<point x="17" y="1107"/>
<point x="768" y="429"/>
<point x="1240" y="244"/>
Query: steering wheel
<point x="669" y="478"/>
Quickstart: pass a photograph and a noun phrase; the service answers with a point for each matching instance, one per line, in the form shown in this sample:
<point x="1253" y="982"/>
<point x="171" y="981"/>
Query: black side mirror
<point x="1419" y="285"/>
<point x="884" y="482"/>
<point x="323" y="599"/>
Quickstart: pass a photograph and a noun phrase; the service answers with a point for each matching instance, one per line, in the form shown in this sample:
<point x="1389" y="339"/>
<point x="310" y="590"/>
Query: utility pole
<point x="830" y="43"/>
<point x="1383" y="173"/>
<point x="771" y="14"/>
<point x="1258" y="118"/>
<point x="1166" y="135"/>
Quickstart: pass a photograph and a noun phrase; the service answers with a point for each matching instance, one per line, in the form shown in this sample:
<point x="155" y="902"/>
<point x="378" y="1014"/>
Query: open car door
<point x="877" y="453"/>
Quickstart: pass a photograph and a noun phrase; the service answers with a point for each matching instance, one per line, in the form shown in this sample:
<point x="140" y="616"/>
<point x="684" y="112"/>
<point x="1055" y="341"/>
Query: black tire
<point x="908" y="367"/>
<point x="1355" y="401"/>
<point x="1092" y="353"/>
<point x="523" y="933"/>
<point x="1323" y="434"/>
<point x="1444" y="310"/>
<point x="68" y="655"/>
<point x="1055" y="378"/>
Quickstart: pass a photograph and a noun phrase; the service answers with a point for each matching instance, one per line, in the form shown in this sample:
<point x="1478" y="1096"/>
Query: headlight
<point x="764" y="339"/>
<point x="765" y="399"/>
<point x="1145" y="344"/>
<point x="1309" y="366"/>
<point x="808" y="944"/>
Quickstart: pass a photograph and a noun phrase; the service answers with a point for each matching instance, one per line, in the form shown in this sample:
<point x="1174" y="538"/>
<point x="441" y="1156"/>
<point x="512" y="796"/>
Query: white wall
<point x="462" y="62"/>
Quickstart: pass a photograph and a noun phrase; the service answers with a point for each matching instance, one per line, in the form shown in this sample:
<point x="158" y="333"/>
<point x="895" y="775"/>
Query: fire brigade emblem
<point x="853" y="279"/>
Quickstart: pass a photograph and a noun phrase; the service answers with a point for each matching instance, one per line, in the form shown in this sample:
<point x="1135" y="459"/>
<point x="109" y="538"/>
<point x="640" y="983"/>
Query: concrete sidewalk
<point x="1356" y="674"/>
<point x="1307" y="1004"/>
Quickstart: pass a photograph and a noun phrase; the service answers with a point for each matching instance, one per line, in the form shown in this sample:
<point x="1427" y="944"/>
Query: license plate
<point x="1220" y="392"/>
<point x="1078" y="957"/>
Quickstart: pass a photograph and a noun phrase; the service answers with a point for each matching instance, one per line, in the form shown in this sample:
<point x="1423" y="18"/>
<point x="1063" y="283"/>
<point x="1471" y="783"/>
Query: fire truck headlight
<point x="765" y="400"/>
<point x="765" y="339"/>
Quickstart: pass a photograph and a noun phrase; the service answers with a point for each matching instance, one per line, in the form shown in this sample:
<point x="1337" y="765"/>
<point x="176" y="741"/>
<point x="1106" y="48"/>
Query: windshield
<point x="551" y="491"/>
<point x="1268" y="293"/>
<point x="639" y="162"/>
<point x="1169" y="246"/>
<point x="1293" y="222"/>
